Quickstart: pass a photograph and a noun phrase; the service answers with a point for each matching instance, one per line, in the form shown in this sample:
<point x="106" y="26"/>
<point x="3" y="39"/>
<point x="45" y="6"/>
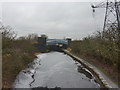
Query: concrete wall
<point x="42" y="43"/>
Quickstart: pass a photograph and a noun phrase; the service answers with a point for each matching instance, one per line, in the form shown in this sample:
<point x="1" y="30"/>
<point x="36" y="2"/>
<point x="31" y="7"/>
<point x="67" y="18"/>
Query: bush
<point x="16" y="53"/>
<point x="103" y="49"/>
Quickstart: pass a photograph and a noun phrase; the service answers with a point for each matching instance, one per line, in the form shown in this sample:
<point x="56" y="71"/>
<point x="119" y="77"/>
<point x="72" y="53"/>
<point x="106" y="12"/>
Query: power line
<point x="112" y="12"/>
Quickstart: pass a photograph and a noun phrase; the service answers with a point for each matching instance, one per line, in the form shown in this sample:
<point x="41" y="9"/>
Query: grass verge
<point x="101" y="54"/>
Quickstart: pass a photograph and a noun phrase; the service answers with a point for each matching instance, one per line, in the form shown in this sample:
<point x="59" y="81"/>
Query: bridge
<point x="53" y="44"/>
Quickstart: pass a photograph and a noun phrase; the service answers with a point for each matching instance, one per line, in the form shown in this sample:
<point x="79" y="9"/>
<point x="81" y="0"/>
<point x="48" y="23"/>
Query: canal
<point x="55" y="69"/>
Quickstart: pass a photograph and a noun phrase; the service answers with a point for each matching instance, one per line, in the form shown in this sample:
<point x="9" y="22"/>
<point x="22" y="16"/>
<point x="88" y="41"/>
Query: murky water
<point x="55" y="69"/>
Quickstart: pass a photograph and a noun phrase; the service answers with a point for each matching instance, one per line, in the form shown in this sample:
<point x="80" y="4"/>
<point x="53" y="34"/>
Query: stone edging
<point x="97" y="74"/>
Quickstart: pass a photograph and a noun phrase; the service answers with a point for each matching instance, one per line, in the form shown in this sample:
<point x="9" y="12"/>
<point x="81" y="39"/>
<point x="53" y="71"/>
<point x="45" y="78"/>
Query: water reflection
<point x="55" y="70"/>
<point x="86" y="73"/>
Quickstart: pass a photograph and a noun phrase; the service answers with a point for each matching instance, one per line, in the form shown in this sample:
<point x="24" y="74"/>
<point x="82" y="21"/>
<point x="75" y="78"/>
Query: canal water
<point x="55" y="69"/>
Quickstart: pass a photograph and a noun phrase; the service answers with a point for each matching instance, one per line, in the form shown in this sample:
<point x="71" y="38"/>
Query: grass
<point x="16" y="55"/>
<point x="12" y="65"/>
<point x="100" y="52"/>
<point x="109" y="71"/>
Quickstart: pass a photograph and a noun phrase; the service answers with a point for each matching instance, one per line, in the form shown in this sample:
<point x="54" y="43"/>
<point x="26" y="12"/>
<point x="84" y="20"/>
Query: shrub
<point x="104" y="50"/>
<point x="16" y="53"/>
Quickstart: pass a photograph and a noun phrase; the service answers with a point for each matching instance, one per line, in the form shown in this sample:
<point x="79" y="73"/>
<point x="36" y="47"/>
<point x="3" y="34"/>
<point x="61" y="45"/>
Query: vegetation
<point x="103" y="49"/>
<point x="16" y="54"/>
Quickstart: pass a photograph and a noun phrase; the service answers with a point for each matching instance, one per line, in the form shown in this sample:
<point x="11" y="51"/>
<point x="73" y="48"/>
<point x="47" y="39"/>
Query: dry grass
<point x="16" y="55"/>
<point x="102" y="53"/>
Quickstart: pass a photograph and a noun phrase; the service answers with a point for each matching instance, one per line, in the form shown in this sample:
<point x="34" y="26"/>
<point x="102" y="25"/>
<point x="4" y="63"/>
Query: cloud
<point x="56" y="19"/>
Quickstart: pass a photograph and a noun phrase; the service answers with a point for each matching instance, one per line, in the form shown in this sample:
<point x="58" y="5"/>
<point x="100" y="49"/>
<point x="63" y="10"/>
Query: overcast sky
<point x="55" y="19"/>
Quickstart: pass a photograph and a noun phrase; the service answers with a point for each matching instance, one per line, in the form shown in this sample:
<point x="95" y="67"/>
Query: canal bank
<point x="102" y="78"/>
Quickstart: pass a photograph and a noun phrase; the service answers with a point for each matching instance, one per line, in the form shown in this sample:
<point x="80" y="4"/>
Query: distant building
<point x="42" y="42"/>
<point x="53" y="44"/>
<point x="69" y="41"/>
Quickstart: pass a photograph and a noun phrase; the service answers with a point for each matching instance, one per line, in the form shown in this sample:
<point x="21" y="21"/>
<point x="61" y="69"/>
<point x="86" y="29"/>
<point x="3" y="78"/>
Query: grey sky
<point x="55" y="19"/>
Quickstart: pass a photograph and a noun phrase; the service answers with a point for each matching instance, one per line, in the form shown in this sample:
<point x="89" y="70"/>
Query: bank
<point x="94" y="67"/>
<point x="16" y="58"/>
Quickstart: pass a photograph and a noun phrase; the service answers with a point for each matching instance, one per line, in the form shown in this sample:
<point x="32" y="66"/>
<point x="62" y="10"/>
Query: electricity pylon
<point x="112" y="16"/>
